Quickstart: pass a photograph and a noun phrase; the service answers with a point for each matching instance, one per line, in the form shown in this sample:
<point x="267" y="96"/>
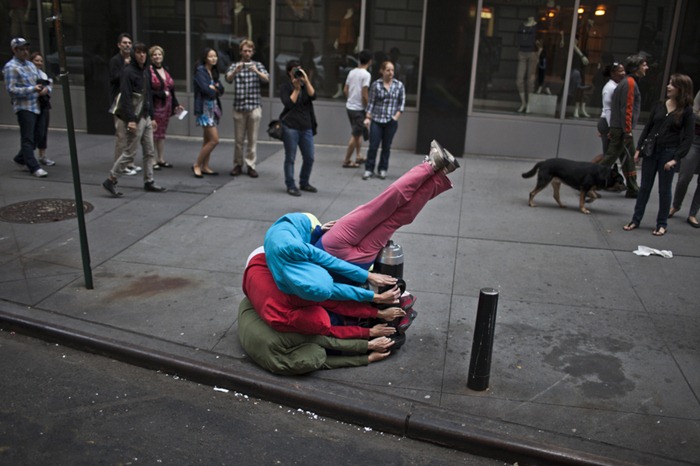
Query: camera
<point x="297" y="73"/>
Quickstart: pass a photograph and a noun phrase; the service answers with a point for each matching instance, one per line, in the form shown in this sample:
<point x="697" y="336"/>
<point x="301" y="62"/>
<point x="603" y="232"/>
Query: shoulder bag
<point x="649" y="144"/>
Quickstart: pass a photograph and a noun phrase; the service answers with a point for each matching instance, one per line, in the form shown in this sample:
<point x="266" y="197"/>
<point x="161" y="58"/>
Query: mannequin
<point x="578" y="85"/>
<point x="527" y="60"/>
<point x="551" y="36"/>
<point x="345" y="43"/>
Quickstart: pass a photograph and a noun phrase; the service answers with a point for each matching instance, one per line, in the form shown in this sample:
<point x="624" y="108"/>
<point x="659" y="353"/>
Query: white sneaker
<point x="136" y="168"/>
<point x="382" y="174"/>
<point x="47" y="162"/>
<point x="128" y="171"/>
<point x="367" y="175"/>
<point x="40" y="173"/>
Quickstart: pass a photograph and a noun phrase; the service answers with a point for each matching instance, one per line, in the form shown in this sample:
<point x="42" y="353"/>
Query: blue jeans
<point x="650" y="167"/>
<point x="28" y="132"/>
<point x="380" y="133"/>
<point x="304" y="139"/>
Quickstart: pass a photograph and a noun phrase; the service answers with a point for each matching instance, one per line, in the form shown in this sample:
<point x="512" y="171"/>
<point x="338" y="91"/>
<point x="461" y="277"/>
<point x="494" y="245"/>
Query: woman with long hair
<point x="42" y="124"/>
<point x="690" y="167"/>
<point x="207" y="108"/>
<point x="165" y="102"/>
<point x="672" y="123"/>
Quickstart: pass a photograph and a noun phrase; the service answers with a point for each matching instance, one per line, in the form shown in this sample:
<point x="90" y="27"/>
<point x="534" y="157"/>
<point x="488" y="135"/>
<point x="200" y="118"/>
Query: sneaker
<point x="440" y="158"/>
<point x="406" y="301"/>
<point x="128" y="172"/>
<point x="309" y="189"/>
<point x="40" y="173"/>
<point x="367" y="175"/>
<point x="136" y="168"/>
<point x="382" y="174"/>
<point x="399" y="340"/>
<point x="406" y="321"/>
<point x="153" y="187"/>
<point x="47" y="162"/>
<point x="294" y="192"/>
<point x="111" y="187"/>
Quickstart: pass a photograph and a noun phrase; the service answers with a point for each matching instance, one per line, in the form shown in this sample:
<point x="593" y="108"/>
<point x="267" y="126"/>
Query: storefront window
<point x="528" y="64"/>
<point x="325" y="37"/>
<point x="222" y="25"/>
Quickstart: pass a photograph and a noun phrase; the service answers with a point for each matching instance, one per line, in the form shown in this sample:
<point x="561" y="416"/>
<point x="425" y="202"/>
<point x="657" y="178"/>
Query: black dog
<point x="586" y="177"/>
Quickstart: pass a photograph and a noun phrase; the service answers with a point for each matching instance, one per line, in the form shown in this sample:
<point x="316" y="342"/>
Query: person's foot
<point x="367" y="175"/>
<point x="376" y="356"/>
<point x="382" y="174"/>
<point x="406" y="301"/>
<point x="631" y="194"/>
<point x="630" y="226"/>
<point x="294" y="192"/>
<point x="406" y="321"/>
<point x="209" y="172"/>
<point x="308" y="188"/>
<point x="693" y="222"/>
<point x="440" y="158"/>
<point x="128" y="171"/>
<point x="672" y="212"/>
<point x="165" y="165"/>
<point x="252" y="173"/>
<point x="156" y="166"/>
<point x="197" y="172"/>
<point x="660" y="231"/>
<point x="47" y="162"/>
<point x="237" y="170"/>
<point x="111" y="187"/>
<point x="136" y="168"/>
<point x="151" y="186"/>
<point x="40" y="173"/>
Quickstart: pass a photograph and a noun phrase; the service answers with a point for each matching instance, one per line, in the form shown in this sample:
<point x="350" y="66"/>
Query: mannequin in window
<point x="242" y="23"/>
<point x="345" y="45"/>
<point x="528" y="52"/>
<point x="550" y="34"/>
<point x="578" y="85"/>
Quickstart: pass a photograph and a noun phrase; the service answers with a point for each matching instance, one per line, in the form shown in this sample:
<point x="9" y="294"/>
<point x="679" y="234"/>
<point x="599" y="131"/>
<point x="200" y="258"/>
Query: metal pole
<point x="482" y="345"/>
<point x="80" y="211"/>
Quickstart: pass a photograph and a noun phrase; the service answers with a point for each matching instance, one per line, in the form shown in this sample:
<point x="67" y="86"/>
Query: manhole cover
<point x="41" y="211"/>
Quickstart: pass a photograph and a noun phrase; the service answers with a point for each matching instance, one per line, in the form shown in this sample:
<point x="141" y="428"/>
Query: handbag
<point x="275" y="129"/>
<point x="136" y="103"/>
<point x="649" y="143"/>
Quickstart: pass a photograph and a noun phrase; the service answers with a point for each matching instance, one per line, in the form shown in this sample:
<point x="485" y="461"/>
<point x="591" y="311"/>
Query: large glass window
<point x="529" y="63"/>
<point x="222" y="25"/>
<point x="325" y="37"/>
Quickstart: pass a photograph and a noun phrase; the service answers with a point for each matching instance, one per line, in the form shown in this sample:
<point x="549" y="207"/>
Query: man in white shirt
<point x="357" y="93"/>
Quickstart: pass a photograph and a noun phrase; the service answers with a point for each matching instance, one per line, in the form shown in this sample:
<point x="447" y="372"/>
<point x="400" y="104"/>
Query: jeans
<point x="380" y="133"/>
<point x="304" y="139"/>
<point x="650" y="167"/>
<point x="27" y="132"/>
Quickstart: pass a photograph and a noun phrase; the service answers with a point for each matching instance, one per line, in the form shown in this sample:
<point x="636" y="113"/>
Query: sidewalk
<point x="596" y="357"/>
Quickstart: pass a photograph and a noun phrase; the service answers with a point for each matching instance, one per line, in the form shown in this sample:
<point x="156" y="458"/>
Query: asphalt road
<point x="65" y="407"/>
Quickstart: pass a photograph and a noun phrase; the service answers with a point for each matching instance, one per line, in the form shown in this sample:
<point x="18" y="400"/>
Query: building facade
<point x="518" y="78"/>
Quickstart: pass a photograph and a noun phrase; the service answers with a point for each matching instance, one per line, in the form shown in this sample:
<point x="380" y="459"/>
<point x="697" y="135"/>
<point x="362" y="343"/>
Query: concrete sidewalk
<point x="597" y="351"/>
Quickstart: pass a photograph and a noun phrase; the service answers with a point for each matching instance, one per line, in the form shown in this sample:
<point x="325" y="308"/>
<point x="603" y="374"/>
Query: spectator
<point x="135" y="121"/>
<point x="22" y="84"/>
<point x="207" y="108"/>
<point x="387" y="97"/>
<point x="247" y="112"/>
<point x="45" y="107"/>
<point x="165" y="103"/>
<point x="357" y="92"/>
<point x="299" y="122"/>
<point x="690" y="167"/>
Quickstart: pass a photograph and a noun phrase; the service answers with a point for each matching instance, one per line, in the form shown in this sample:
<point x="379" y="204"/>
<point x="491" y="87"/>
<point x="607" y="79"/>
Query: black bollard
<point x="482" y="346"/>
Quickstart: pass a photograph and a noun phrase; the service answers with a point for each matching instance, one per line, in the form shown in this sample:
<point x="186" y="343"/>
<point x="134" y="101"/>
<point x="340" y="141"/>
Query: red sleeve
<point x="348" y="331"/>
<point x="629" y="104"/>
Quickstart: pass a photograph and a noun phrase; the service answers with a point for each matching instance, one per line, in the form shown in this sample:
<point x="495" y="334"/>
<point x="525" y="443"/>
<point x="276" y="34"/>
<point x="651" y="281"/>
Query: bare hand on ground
<point x="374" y="356"/>
<point x="380" y="344"/>
<point x="381" y="330"/>
<point x="390" y="313"/>
<point x="380" y="279"/>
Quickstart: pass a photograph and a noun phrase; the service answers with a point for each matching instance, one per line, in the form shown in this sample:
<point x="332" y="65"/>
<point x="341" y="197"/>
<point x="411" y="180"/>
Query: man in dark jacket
<point x="624" y="114"/>
<point x="135" y="122"/>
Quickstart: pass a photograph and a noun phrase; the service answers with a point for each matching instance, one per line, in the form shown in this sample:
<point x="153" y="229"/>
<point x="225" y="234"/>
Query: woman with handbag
<point x="207" y="108"/>
<point x="666" y="139"/>
<point x="690" y="167"/>
<point x="165" y="102"/>
<point x="42" y="124"/>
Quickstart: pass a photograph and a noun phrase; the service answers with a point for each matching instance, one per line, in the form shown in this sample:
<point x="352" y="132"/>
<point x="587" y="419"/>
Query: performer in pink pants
<point x="358" y="237"/>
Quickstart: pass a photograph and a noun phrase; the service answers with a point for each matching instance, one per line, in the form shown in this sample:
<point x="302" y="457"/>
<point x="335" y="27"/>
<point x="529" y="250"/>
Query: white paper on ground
<point x="647" y="251"/>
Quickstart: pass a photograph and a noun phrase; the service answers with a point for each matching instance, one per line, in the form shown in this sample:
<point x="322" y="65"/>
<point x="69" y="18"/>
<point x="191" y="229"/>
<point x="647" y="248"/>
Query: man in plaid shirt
<point x="247" y="112"/>
<point x="21" y="82"/>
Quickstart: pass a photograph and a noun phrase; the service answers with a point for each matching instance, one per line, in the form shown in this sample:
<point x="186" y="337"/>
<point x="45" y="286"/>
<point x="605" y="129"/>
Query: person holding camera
<point x="22" y="83"/>
<point x="300" y="125"/>
<point x="246" y="76"/>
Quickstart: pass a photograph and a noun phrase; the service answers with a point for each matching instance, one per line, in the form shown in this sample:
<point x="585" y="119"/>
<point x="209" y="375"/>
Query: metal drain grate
<point x="42" y="211"/>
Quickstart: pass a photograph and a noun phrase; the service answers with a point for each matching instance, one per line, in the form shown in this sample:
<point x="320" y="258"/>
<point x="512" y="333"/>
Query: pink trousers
<point x="359" y="236"/>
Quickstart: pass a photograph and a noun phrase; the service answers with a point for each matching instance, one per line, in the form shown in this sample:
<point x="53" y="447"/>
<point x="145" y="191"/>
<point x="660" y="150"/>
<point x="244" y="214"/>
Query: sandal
<point x="660" y="231"/>
<point x="630" y="226"/>
<point x="351" y="165"/>
<point x="165" y="165"/>
<point x="359" y="160"/>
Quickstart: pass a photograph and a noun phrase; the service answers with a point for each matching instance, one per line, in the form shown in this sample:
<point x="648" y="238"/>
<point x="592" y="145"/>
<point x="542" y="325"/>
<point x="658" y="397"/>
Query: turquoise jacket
<point x="301" y="269"/>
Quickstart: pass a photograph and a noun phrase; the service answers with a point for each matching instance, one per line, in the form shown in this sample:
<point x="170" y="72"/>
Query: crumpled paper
<point x="647" y="251"/>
